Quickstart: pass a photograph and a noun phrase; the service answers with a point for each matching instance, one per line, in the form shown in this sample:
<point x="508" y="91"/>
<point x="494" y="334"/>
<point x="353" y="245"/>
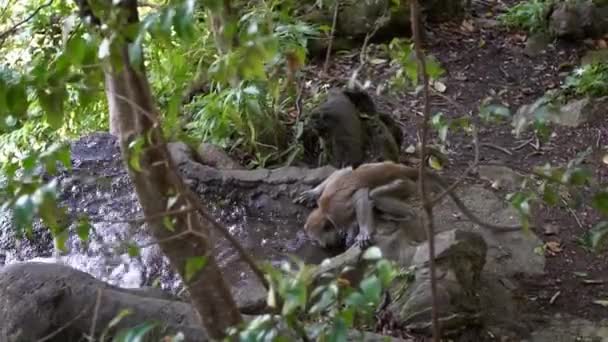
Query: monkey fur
<point x="341" y="201"/>
<point x="337" y="122"/>
<point x="352" y="130"/>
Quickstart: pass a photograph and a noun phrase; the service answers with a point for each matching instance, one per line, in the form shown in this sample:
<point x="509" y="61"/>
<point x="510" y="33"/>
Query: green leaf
<point x="24" y="211"/>
<point x="168" y="222"/>
<point x="135" y="150"/>
<point x="596" y="239"/>
<point x="386" y="272"/>
<point x="76" y="50"/>
<point x="83" y="228"/>
<point x="338" y="331"/>
<point x="60" y="239"/>
<point x="295" y="298"/>
<point x="133" y="250"/>
<point x="135" y="334"/>
<point x="433" y="68"/>
<point x="550" y="195"/>
<point x="580" y="176"/>
<point x="51" y="102"/>
<point x="371" y="288"/>
<point x="494" y="112"/>
<point x="600" y="202"/>
<point x="193" y="265"/>
<point x="16" y="97"/>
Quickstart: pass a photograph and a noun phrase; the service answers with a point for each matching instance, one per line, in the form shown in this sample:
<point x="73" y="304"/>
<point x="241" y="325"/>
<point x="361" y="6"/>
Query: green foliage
<point x="402" y="53"/>
<point x="596" y="239"/>
<point x="529" y="15"/>
<point x="329" y="310"/>
<point x="588" y="80"/>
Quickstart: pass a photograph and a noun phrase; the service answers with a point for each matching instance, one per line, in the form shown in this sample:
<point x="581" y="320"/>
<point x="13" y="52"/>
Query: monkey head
<point x="320" y="228"/>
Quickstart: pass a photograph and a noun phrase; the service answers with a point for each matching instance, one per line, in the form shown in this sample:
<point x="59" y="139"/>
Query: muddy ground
<point x="487" y="61"/>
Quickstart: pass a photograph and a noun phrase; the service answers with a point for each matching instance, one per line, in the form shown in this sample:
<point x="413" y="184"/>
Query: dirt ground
<point x="489" y="61"/>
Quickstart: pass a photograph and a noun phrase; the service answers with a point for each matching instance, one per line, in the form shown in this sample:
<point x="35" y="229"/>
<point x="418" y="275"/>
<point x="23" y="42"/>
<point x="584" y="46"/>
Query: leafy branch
<point x="4" y="35"/>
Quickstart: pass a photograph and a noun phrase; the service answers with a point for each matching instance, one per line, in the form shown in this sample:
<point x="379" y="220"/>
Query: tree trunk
<point x="133" y="112"/>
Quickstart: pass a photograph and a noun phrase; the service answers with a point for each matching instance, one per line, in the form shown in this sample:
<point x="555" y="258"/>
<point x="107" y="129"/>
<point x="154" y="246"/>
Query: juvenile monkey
<point x="343" y="201"/>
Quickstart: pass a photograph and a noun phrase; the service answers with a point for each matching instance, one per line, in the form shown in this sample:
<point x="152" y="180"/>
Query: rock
<point x="180" y="152"/>
<point x="578" y="19"/>
<point x="509" y="253"/>
<point x="215" y="156"/>
<point x="595" y="56"/>
<point x="537" y="43"/>
<point x="460" y="257"/>
<point x="64" y="300"/>
<point x="572" y="114"/>
<point x="501" y="177"/>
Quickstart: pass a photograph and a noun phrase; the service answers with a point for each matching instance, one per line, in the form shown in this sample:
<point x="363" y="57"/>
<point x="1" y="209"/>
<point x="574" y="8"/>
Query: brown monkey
<point x="343" y="200"/>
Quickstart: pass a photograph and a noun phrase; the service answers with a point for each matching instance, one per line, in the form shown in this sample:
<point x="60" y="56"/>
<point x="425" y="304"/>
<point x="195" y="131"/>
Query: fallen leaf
<point x="605" y="159"/>
<point x="435" y="163"/>
<point x="603" y="302"/>
<point x="601" y="43"/>
<point x="553" y="247"/>
<point x="467" y="25"/>
<point x="410" y="149"/>
<point x="551" y="229"/>
<point x="580" y="274"/>
<point x="377" y="61"/>
<point x="552" y="300"/>
<point x="440" y="87"/>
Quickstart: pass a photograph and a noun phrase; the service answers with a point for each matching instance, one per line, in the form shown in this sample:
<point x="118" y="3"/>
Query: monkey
<point x="338" y="123"/>
<point x="353" y="130"/>
<point x="341" y="200"/>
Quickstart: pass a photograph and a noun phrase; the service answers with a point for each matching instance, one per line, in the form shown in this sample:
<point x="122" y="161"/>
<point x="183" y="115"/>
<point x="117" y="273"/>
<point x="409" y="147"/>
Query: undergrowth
<point x="530" y="15"/>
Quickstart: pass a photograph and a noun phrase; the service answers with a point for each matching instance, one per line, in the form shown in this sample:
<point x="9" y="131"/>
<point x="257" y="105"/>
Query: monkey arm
<point x="314" y="193"/>
<point x="364" y="210"/>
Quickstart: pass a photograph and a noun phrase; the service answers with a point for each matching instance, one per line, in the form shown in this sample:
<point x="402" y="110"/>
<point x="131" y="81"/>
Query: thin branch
<point x="95" y="314"/>
<point x="427" y="205"/>
<point x="331" y="36"/>
<point x="63" y="327"/>
<point x="193" y="199"/>
<point x="463" y="175"/>
<point x="4" y="35"/>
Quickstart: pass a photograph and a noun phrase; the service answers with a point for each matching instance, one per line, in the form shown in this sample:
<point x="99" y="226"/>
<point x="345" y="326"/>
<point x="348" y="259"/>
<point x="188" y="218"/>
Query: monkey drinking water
<point x="341" y="200"/>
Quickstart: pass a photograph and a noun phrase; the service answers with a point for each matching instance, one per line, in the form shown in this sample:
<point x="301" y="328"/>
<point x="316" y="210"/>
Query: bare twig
<point x="63" y="327"/>
<point x="427" y="205"/>
<point x="466" y="172"/>
<point x="331" y="36"/>
<point x="4" y="35"/>
<point x="573" y="213"/>
<point x="523" y="144"/>
<point x="496" y="147"/>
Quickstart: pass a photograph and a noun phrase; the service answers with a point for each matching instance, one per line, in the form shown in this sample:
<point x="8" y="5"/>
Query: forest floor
<point x="489" y="60"/>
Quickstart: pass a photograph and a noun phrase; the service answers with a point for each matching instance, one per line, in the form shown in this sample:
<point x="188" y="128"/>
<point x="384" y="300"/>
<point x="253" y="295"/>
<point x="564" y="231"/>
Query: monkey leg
<point x="314" y="193"/>
<point x="364" y="210"/>
<point x="389" y="199"/>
